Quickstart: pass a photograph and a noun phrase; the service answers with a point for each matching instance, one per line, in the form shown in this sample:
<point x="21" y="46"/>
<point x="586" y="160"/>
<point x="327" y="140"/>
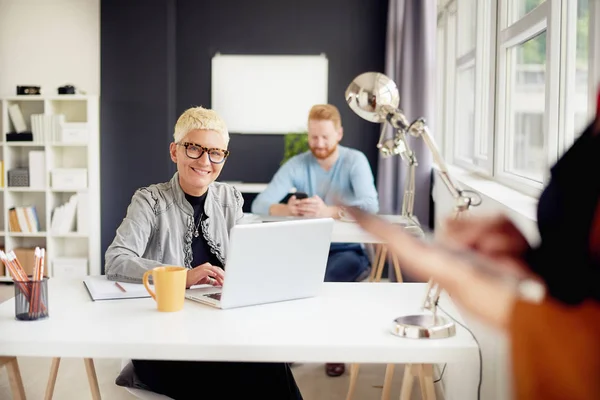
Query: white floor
<point x="72" y="379"/>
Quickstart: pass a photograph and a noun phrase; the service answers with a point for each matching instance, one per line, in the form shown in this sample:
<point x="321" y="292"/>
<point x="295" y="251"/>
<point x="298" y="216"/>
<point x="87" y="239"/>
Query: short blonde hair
<point x="326" y="112"/>
<point x="199" y="118"/>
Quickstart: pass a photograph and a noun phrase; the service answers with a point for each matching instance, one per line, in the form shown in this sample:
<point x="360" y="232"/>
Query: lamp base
<point x="422" y="326"/>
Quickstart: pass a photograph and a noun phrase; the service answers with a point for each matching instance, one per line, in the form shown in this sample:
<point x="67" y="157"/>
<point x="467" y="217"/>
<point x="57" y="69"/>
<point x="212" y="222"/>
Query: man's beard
<point x="322" y="155"/>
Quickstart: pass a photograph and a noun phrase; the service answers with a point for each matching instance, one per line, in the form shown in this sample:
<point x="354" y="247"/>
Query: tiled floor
<point x="72" y="380"/>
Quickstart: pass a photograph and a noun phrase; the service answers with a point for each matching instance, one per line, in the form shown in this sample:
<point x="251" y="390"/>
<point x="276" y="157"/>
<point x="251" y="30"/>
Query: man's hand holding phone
<point x="294" y="203"/>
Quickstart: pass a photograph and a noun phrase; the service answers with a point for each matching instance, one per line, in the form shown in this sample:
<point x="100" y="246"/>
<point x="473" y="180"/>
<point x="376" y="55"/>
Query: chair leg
<point x="92" y="378"/>
<point x="380" y="265"/>
<point x="52" y="378"/>
<point x="353" y="379"/>
<point x="407" y="382"/>
<point x="14" y="377"/>
<point x="397" y="268"/>
<point x="387" y="382"/>
<point x="375" y="263"/>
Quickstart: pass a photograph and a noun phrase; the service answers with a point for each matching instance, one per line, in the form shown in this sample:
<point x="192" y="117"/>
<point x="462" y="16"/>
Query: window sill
<point x="517" y="202"/>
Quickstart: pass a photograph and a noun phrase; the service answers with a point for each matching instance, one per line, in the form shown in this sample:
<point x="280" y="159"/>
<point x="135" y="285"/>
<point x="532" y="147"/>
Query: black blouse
<point x="564" y="258"/>
<point x="200" y="249"/>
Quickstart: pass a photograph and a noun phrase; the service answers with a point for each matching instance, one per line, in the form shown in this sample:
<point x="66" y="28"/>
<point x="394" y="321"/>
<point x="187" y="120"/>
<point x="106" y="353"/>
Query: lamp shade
<point x="370" y="94"/>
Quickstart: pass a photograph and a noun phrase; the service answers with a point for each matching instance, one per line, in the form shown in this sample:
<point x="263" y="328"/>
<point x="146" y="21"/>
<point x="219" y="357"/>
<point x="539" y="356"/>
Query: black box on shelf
<point x="18" y="177"/>
<point x="19" y="137"/>
<point x="29" y="90"/>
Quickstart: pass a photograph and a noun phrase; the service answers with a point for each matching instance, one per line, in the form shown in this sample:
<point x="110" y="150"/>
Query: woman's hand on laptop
<point x="205" y="274"/>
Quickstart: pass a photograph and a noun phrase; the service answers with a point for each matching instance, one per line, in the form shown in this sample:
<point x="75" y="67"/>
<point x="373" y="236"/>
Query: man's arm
<point x="363" y="185"/>
<point x="267" y="202"/>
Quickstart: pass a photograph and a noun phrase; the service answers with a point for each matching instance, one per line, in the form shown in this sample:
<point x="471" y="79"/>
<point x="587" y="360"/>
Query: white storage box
<point x="69" y="178"/>
<point x="74" y="133"/>
<point x="69" y="267"/>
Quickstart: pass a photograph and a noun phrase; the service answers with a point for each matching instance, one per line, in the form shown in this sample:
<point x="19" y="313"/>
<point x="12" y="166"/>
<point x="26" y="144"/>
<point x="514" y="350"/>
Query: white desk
<point x="343" y="232"/>
<point x="349" y="322"/>
<point x="245" y="187"/>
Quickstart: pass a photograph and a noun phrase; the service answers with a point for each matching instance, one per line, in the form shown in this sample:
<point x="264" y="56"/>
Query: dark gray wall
<point x="155" y="63"/>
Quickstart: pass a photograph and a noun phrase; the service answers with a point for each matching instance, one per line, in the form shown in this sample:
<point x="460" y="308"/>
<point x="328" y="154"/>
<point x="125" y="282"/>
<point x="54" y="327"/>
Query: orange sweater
<point x="556" y="351"/>
<point x="556" y="347"/>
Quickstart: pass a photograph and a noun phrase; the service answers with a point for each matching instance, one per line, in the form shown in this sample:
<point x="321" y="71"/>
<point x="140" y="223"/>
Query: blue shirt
<point x="350" y="180"/>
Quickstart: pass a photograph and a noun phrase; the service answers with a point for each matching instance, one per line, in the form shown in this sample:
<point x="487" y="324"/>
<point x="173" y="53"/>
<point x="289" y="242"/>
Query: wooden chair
<point x="14" y="377"/>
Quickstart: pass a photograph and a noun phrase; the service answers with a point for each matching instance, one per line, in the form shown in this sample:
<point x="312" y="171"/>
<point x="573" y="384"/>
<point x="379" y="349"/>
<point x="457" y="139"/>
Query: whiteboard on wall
<point x="269" y="94"/>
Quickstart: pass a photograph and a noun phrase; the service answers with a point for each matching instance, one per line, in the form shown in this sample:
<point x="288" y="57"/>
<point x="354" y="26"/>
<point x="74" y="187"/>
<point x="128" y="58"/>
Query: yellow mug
<point x="169" y="283"/>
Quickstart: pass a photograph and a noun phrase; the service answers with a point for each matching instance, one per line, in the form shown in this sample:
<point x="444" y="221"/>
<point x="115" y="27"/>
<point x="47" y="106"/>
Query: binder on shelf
<point x="23" y="219"/>
<point x="46" y="128"/>
<point x="64" y="216"/>
<point x="83" y="210"/>
<point x="16" y="116"/>
<point x="37" y="169"/>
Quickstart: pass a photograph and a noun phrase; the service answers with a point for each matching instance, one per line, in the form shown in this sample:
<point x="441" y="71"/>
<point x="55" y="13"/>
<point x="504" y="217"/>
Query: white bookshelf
<point x="58" y="154"/>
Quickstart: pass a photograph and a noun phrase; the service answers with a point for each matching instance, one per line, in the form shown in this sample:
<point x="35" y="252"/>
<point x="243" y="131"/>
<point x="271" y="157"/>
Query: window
<point x="579" y="86"/>
<point x="464" y="115"/>
<point x="518" y="78"/>
<point x="465" y="29"/>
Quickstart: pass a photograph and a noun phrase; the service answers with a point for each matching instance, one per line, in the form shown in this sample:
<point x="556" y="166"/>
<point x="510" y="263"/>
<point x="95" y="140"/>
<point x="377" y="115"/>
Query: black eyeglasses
<point x="195" y="151"/>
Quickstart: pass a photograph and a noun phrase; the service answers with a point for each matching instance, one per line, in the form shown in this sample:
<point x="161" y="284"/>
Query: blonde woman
<point x="186" y="222"/>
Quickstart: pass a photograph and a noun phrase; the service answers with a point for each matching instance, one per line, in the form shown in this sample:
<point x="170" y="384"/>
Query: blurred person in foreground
<point x="555" y="342"/>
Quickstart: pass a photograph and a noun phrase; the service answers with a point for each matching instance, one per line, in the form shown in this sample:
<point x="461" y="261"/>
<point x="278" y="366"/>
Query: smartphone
<point x="300" y="195"/>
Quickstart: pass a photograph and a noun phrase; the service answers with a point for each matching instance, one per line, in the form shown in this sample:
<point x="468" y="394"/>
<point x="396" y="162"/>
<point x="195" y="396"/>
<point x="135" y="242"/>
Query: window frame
<point x="494" y="38"/>
<point x="527" y="27"/>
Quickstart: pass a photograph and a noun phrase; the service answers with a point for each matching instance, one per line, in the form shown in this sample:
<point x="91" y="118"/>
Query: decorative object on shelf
<point x="294" y="143"/>
<point x="66" y="89"/>
<point x="374" y="97"/>
<point x="29" y="90"/>
<point x="70" y="89"/>
<point x="18" y="177"/>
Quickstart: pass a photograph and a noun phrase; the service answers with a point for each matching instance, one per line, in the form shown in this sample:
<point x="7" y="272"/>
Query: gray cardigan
<point x="157" y="229"/>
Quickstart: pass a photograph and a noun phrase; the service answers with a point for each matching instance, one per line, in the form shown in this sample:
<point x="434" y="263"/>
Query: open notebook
<point x="101" y="288"/>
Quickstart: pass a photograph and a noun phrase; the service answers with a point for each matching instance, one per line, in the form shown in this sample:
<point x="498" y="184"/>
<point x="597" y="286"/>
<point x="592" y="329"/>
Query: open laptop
<point x="272" y="262"/>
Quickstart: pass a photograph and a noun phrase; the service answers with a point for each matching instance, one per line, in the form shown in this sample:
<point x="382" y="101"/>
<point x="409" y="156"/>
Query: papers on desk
<point x="101" y="288"/>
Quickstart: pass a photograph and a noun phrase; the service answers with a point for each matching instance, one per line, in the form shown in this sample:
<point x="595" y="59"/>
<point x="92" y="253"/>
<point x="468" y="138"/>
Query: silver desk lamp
<point x="374" y="97"/>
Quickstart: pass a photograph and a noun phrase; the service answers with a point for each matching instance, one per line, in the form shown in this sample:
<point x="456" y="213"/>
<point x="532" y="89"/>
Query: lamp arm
<point x="464" y="198"/>
<point x="398" y="145"/>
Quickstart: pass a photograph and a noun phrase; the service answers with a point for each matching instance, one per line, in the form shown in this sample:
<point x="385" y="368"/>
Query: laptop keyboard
<point x="216" y="296"/>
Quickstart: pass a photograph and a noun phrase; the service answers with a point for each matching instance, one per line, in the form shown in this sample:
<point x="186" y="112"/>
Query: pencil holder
<point x="31" y="300"/>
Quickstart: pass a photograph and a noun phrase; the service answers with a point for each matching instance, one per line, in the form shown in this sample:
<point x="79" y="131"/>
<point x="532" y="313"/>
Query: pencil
<point x="121" y="287"/>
